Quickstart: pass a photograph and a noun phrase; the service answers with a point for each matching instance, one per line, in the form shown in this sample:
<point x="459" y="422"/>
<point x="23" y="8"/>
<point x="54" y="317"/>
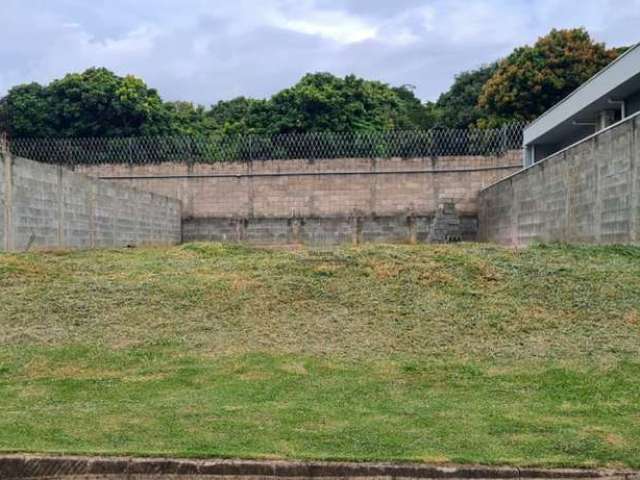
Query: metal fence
<point x="322" y="145"/>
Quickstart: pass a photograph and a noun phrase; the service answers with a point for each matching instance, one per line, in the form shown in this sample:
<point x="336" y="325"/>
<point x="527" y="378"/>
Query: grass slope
<point x="462" y="353"/>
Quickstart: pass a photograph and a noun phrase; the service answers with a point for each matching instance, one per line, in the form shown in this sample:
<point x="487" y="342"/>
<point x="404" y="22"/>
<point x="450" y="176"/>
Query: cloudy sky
<point x="207" y="50"/>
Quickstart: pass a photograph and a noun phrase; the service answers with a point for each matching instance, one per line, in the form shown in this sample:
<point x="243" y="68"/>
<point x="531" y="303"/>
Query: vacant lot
<point x="461" y="353"/>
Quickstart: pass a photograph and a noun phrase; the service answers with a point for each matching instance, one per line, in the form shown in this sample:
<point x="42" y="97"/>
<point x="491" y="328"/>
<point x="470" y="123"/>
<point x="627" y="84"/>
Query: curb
<point x="22" y="467"/>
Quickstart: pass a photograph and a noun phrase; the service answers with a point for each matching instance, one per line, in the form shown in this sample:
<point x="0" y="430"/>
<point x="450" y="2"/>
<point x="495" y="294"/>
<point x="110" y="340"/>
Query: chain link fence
<point x="322" y="145"/>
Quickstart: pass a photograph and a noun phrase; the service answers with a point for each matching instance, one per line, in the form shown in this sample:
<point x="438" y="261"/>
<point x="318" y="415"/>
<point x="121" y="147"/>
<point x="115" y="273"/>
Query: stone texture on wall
<point x="589" y="193"/>
<point x="332" y="188"/>
<point x="46" y="206"/>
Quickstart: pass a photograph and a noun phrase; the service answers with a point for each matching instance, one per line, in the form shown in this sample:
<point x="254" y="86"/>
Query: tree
<point x="95" y="103"/>
<point x="519" y="88"/>
<point x="241" y="115"/>
<point x="413" y="113"/>
<point x="189" y="119"/>
<point x="534" y="78"/>
<point x="25" y="112"/>
<point x="458" y="107"/>
<point x="324" y="102"/>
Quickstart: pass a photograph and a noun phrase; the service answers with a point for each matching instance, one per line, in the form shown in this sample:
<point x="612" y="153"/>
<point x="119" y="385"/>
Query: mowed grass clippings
<point x="464" y="353"/>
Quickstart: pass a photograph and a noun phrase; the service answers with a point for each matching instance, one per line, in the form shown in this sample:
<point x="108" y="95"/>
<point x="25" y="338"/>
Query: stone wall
<point x="47" y="206"/>
<point x="589" y="193"/>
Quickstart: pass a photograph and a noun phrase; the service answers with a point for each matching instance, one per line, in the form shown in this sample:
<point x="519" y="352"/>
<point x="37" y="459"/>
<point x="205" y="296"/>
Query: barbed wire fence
<point x="220" y="148"/>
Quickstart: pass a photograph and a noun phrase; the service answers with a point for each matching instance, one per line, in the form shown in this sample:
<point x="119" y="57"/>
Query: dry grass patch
<point x="462" y="353"/>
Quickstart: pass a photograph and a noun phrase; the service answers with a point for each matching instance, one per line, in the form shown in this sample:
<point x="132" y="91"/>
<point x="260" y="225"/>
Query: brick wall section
<point x="589" y="193"/>
<point x="48" y="206"/>
<point x="333" y="188"/>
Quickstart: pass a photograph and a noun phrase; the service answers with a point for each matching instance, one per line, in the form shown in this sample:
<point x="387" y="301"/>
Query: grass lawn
<point x="465" y="353"/>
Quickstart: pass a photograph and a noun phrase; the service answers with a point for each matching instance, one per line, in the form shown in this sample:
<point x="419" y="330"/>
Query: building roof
<point x="616" y="81"/>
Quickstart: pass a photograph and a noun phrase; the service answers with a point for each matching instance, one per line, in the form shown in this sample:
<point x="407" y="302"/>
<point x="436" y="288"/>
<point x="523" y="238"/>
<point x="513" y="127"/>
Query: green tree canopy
<point x="324" y="102"/>
<point x="26" y="112"/>
<point x="187" y="118"/>
<point x="98" y="102"/>
<point x="458" y="107"/>
<point x="413" y="113"/>
<point x="534" y="78"/>
<point x="241" y="115"/>
<point x="93" y="103"/>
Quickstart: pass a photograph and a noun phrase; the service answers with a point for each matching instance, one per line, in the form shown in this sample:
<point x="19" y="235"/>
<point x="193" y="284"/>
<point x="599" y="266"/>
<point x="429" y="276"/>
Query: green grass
<point x="466" y="353"/>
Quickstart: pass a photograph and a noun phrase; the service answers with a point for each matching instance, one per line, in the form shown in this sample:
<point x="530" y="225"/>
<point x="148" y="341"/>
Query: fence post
<point x="130" y="149"/>
<point x="5" y="153"/>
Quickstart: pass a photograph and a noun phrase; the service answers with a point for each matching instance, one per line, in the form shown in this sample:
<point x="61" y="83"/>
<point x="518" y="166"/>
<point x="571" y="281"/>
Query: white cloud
<point x="206" y="50"/>
<point x="331" y="24"/>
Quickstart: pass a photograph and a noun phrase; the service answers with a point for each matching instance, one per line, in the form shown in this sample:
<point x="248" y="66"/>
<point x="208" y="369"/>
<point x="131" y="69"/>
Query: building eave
<point x="624" y="69"/>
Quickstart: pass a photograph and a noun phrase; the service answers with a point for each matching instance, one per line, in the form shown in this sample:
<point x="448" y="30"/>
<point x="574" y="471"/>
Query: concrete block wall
<point x="316" y="188"/>
<point x="320" y="231"/>
<point x="589" y="193"/>
<point x="35" y="212"/>
<point x="317" y="202"/>
<point x="48" y="206"/>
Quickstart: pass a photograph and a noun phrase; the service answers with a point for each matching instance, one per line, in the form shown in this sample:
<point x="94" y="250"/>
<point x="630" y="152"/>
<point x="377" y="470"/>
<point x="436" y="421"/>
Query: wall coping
<point x="310" y="174"/>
